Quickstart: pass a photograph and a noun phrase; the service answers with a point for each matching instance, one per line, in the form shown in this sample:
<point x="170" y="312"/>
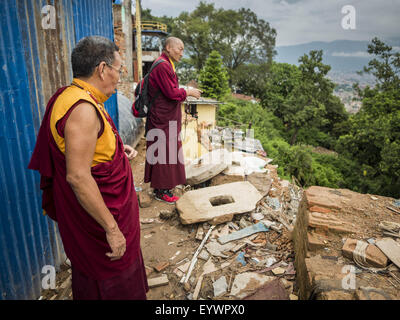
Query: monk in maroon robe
<point x="165" y="166"/>
<point x="87" y="181"/>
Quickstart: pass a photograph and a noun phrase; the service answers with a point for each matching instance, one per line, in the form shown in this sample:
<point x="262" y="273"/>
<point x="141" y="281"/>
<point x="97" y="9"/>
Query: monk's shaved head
<point x="172" y="42"/>
<point x="173" y="48"/>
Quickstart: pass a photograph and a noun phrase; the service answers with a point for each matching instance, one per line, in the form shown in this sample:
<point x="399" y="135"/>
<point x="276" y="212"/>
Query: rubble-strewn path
<point x="319" y="244"/>
<point x="232" y="270"/>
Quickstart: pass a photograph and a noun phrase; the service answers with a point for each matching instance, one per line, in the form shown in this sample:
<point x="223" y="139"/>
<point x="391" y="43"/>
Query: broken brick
<point x="144" y="199"/>
<point x="324" y="197"/>
<point x="313" y="242"/>
<point x="320" y="209"/>
<point x="329" y="223"/>
<point x="161" y="266"/>
<point x="374" y="256"/>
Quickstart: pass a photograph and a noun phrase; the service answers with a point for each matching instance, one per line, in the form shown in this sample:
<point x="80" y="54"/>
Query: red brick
<point x="374" y="256"/>
<point x="314" y="243"/>
<point x="324" y="197"/>
<point x="329" y="223"/>
<point x="320" y="209"/>
<point x="144" y="199"/>
<point x="161" y="266"/>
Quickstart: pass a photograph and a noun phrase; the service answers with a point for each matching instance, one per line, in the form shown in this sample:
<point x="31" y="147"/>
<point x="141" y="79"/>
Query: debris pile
<point x="286" y="243"/>
<point x="347" y="246"/>
<point x="244" y="252"/>
<point x="225" y="137"/>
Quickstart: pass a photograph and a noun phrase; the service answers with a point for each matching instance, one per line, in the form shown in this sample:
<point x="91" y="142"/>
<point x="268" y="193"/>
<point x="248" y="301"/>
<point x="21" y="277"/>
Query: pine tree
<point x="214" y="77"/>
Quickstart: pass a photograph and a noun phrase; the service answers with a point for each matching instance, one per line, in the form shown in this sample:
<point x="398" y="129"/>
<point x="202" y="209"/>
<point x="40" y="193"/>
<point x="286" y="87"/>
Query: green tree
<point x="385" y="67"/>
<point x="240" y="36"/>
<point x="186" y="72"/>
<point x="281" y="80"/>
<point x="250" y="79"/>
<point x="213" y="77"/>
<point x="374" y="136"/>
<point x="302" y="96"/>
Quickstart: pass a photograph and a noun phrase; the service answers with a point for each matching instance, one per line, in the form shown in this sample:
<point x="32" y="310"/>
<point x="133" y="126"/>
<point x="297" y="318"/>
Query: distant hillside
<point x="341" y="55"/>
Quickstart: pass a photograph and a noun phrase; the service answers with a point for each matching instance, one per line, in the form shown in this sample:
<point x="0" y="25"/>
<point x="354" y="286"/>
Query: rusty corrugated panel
<point x="34" y="63"/>
<point x="26" y="243"/>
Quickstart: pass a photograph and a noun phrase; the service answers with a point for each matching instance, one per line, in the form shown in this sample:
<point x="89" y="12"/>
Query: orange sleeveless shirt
<point x="81" y="90"/>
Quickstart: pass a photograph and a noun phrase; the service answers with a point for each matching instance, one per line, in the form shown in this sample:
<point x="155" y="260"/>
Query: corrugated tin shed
<point x="34" y="62"/>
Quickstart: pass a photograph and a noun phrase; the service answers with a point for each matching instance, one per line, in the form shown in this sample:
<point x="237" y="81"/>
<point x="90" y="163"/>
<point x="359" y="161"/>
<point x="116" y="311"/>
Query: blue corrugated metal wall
<point x="33" y="63"/>
<point x="90" y="19"/>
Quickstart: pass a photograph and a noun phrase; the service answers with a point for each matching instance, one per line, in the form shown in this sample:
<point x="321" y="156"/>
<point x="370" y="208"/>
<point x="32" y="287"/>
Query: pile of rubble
<point x="225" y="137"/>
<point x="244" y="224"/>
<point x="347" y="246"/>
<point x="259" y="237"/>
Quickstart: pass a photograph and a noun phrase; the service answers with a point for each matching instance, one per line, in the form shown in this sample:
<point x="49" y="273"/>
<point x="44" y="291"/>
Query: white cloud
<point x="301" y="21"/>
<point x="358" y="54"/>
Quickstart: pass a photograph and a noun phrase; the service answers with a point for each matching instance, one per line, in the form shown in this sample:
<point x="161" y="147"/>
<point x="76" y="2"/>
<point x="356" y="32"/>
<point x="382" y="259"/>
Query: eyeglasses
<point x="119" y="70"/>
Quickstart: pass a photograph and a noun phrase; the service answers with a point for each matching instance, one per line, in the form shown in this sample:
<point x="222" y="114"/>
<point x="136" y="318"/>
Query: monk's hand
<point x="194" y="92"/>
<point x="117" y="243"/>
<point x="130" y="152"/>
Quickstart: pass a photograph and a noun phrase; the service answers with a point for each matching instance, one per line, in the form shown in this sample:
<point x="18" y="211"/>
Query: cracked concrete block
<point x="156" y="282"/>
<point x="216" y="249"/>
<point x="207" y="166"/>
<point x="220" y="286"/>
<point x="217" y="204"/>
<point x="233" y="170"/>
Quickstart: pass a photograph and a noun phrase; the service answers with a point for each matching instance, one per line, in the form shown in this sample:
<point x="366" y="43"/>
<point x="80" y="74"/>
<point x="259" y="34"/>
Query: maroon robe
<point x="95" y="276"/>
<point x="166" y="108"/>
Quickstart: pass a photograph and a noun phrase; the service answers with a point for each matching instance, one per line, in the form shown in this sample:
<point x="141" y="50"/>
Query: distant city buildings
<point x="345" y="91"/>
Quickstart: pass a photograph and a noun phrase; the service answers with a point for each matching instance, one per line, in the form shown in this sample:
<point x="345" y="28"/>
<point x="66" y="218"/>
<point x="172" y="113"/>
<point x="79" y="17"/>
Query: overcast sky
<point x="301" y="21"/>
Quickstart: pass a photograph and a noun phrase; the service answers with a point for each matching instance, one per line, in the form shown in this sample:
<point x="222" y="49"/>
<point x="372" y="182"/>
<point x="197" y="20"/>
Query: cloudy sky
<point x="302" y="21"/>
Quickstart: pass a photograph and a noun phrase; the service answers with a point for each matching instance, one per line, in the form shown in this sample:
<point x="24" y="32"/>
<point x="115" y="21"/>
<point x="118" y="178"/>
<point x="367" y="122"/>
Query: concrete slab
<point x="233" y="170"/>
<point x="207" y="166"/>
<point x="247" y="283"/>
<point x="220" y="286"/>
<point x="391" y="249"/>
<point x="217" y="204"/>
<point x="156" y="282"/>
<point x="216" y="249"/>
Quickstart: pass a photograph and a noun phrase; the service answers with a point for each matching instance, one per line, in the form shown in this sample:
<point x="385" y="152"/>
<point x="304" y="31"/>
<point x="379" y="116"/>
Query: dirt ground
<point x="170" y="241"/>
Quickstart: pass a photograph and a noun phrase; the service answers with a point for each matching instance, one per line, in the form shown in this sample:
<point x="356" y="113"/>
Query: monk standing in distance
<point x="165" y="116"/>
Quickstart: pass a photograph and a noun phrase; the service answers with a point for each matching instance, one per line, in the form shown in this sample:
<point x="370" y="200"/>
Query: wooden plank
<point x="391" y="249"/>
<point x="394" y="210"/>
